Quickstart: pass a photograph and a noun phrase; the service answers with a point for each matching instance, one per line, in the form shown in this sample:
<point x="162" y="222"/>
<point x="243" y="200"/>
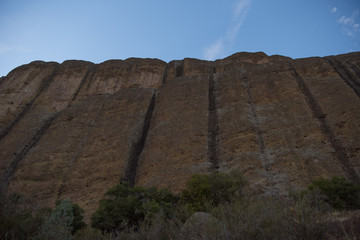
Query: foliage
<point x="78" y="220"/>
<point x="14" y="221"/>
<point x="305" y="217"/>
<point x="59" y="224"/>
<point x="340" y="193"/>
<point x="147" y="213"/>
<point x="126" y="207"/>
<point x="266" y="218"/>
<point x="207" y="190"/>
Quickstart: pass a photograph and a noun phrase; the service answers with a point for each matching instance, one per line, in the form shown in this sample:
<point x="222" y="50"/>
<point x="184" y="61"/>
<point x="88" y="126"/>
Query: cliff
<point x="73" y="130"/>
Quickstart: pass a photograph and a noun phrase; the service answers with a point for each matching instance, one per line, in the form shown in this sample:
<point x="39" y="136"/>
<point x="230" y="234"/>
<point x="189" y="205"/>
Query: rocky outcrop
<point x="74" y="129"/>
<point x="114" y="75"/>
<point x="48" y="89"/>
<point x="87" y="148"/>
<point x="20" y="89"/>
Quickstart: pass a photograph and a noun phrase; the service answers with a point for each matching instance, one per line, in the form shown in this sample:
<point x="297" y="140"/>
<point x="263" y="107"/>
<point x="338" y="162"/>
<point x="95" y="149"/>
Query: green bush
<point x="126" y="207"/>
<point x="78" y="220"/>
<point x="18" y="222"/>
<point x="207" y="190"/>
<point x="62" y="222"/>
<point x="59" y="224"/>
<point x="340" y="193"/>
<point x="15" y="222"/>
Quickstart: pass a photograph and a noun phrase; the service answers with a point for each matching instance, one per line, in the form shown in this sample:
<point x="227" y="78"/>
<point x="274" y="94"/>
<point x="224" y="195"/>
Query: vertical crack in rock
<point x="28" y="105"/>
<point x="79" y="150"/>
<point x="344" y="74"/>
<point x="179" y="68"/>
<point x="9" y="172"/>
<point x="325" y="129"/>
<point x="166" y="73"/>
<point x="212" y="126"/>
<point x="264" y="160"/>
<point x="138" y="145"/>
<point x="89" y="74"/>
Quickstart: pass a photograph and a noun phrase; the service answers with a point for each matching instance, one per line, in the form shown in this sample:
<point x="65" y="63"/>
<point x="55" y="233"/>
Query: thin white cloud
<point x="350" y="26"/>
<point x="219" y="48"/>
<point x="240" y="13"/>
<point x="334" y="9"/>
<point x="344" y="20"/>
<point x="240" y="7"/>
<point x="215" y="50"/>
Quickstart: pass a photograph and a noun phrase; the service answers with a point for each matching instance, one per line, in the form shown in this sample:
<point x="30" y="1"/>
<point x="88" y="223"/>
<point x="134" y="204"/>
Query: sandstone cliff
<point x="74" y="129"/>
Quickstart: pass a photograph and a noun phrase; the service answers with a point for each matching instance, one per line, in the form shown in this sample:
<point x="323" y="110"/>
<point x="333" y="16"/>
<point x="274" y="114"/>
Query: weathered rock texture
<point x="74" y="129"/>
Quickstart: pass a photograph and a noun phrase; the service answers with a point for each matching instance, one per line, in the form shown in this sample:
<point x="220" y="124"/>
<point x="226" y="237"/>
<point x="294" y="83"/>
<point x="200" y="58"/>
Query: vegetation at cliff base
<point x="340" y="193"/>
<point x="18" y="223"/>
<point x="209" y="190"/>
<point x="63" y="222"/>
<point x="126" y="207"/>
<point x="212" y="206"/>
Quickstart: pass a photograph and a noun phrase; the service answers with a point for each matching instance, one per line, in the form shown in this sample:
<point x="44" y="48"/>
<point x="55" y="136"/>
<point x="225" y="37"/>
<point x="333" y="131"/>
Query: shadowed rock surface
<point x="73" y="130"/>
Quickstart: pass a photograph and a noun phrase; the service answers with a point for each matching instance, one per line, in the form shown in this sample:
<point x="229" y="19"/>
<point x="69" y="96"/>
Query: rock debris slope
<point x="74" y="129"/>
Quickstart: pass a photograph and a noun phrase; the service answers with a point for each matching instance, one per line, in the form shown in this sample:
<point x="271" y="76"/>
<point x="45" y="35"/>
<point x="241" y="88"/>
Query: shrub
<point x="126" y="207"/>
<point x="305" y="218"/>
<point x="340" y="193"/>
<point x="59" y="224"/>
<point x="62" y="222"/>
<point x="206" y="190"/>
<point x="270" y="218"/>
<point x="78" y="220"/>
<point x="15" y="222"/>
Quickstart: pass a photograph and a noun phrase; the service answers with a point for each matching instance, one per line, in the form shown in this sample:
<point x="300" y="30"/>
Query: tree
<point x="126" y="207"/>
<point x="59" y="225"/>
<point x="211" y="189"/>
<point x="15" y="222"/>
<point x="78" y="221"/>
<point x="340" y="193"/>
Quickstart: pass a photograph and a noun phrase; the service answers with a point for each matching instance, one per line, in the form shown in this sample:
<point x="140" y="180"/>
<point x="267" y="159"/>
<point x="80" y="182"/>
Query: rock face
<point x="73" y="130"/>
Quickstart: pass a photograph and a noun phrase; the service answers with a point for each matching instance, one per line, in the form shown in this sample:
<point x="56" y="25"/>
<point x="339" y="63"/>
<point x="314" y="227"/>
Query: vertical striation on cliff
<point x="138" y="145"/>
<point x="20" y="89"/>
<point x="212" y="126"/>
<point x="339" y="104"/>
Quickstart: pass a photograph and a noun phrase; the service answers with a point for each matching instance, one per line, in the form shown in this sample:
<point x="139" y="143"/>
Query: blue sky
<point x="98" y="30"/>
